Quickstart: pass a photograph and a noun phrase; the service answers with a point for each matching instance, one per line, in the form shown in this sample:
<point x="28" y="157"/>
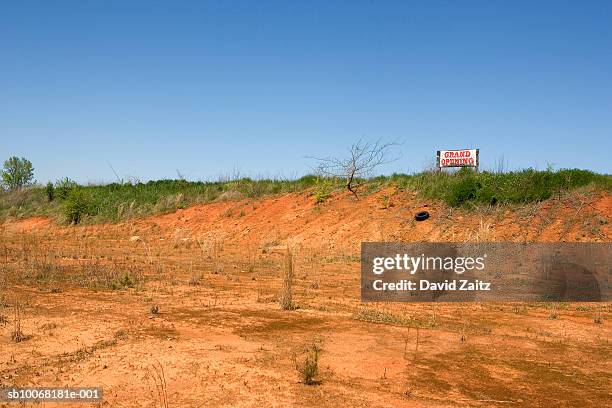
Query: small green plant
<point x="125" y="281"/>
<point x="308" y="368"/>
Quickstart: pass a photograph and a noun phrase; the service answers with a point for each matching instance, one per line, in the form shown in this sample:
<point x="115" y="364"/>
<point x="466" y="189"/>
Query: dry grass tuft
<point x="308" y="367"/>
<point x="159" y="394"/>
<point x="598" y="319"/>
<point x="17" y="335"/>
<point x="286" y="297"/>
<point x="382" y="317"/>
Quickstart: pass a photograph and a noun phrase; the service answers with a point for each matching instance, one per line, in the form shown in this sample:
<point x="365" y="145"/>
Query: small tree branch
<point x="362" y="160"/>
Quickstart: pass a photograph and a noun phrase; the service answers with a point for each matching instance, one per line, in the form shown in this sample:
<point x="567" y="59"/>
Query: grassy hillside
<point x="67" y="202"/>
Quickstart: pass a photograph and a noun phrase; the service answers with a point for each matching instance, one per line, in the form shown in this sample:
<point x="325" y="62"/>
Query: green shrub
<point x="520" y="187"/>
<point x="77" y="205"/>
<point x="63" y="187"/>
<point x="125" y="281"/>
<point x="50" y="191"/>
<point x="322" y="191"/>
<point x="465" y="189"/>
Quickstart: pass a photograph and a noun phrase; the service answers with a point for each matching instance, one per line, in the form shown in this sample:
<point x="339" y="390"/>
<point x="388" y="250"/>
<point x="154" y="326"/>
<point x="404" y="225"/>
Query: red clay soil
<point x="221" y="339"/>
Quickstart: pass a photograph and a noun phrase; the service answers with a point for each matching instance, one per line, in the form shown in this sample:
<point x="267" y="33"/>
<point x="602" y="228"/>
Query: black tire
<point x="421" y="216"/>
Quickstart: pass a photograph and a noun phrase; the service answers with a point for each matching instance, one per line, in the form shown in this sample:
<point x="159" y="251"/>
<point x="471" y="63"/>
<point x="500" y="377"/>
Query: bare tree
<point x="363" y="158"/>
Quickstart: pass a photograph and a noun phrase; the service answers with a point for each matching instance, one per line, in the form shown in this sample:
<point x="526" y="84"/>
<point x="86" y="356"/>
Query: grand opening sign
<point x="457" y="158"/>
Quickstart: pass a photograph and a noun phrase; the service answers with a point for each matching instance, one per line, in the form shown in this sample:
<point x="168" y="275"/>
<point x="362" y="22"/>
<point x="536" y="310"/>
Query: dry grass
<point x="212" y="249"/>
<point x="382" y="317"/>
<point x="286" y="296"/>
<point x="17" y="335"/>
<point x="308" y="366"/>
<point x="159" y="391"/>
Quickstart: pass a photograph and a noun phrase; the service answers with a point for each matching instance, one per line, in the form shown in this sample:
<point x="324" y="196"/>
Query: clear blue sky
<point x="209" y="87"/>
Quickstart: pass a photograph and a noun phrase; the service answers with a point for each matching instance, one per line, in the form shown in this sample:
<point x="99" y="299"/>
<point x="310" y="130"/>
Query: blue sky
<point x="210" y="88"/>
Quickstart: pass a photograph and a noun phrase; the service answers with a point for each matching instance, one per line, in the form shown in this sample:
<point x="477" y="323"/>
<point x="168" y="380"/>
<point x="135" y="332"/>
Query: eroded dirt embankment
<point x="342" y="223"/>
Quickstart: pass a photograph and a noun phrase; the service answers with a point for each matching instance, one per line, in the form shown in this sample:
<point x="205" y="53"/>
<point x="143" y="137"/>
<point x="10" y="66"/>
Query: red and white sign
<point x="458" y="158"/>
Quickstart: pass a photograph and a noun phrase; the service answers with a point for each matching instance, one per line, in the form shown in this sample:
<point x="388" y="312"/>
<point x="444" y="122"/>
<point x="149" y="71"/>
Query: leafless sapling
<point x="362" y="160"/>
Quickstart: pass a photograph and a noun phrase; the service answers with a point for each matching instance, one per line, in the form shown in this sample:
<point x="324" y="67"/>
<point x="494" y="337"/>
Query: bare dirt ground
<point x="194" y="294"/>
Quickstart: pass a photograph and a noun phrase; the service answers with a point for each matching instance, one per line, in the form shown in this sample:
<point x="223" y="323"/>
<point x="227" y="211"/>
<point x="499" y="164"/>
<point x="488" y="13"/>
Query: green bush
<point x="50" y="191"/>
<point x="520" y="187"/>
<point x="63" y="187"/>
<point x="465" y="189"/>
<point x="125" y="281"/>
<point x="322" y="191"/>
<point x="77" y="205"/>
